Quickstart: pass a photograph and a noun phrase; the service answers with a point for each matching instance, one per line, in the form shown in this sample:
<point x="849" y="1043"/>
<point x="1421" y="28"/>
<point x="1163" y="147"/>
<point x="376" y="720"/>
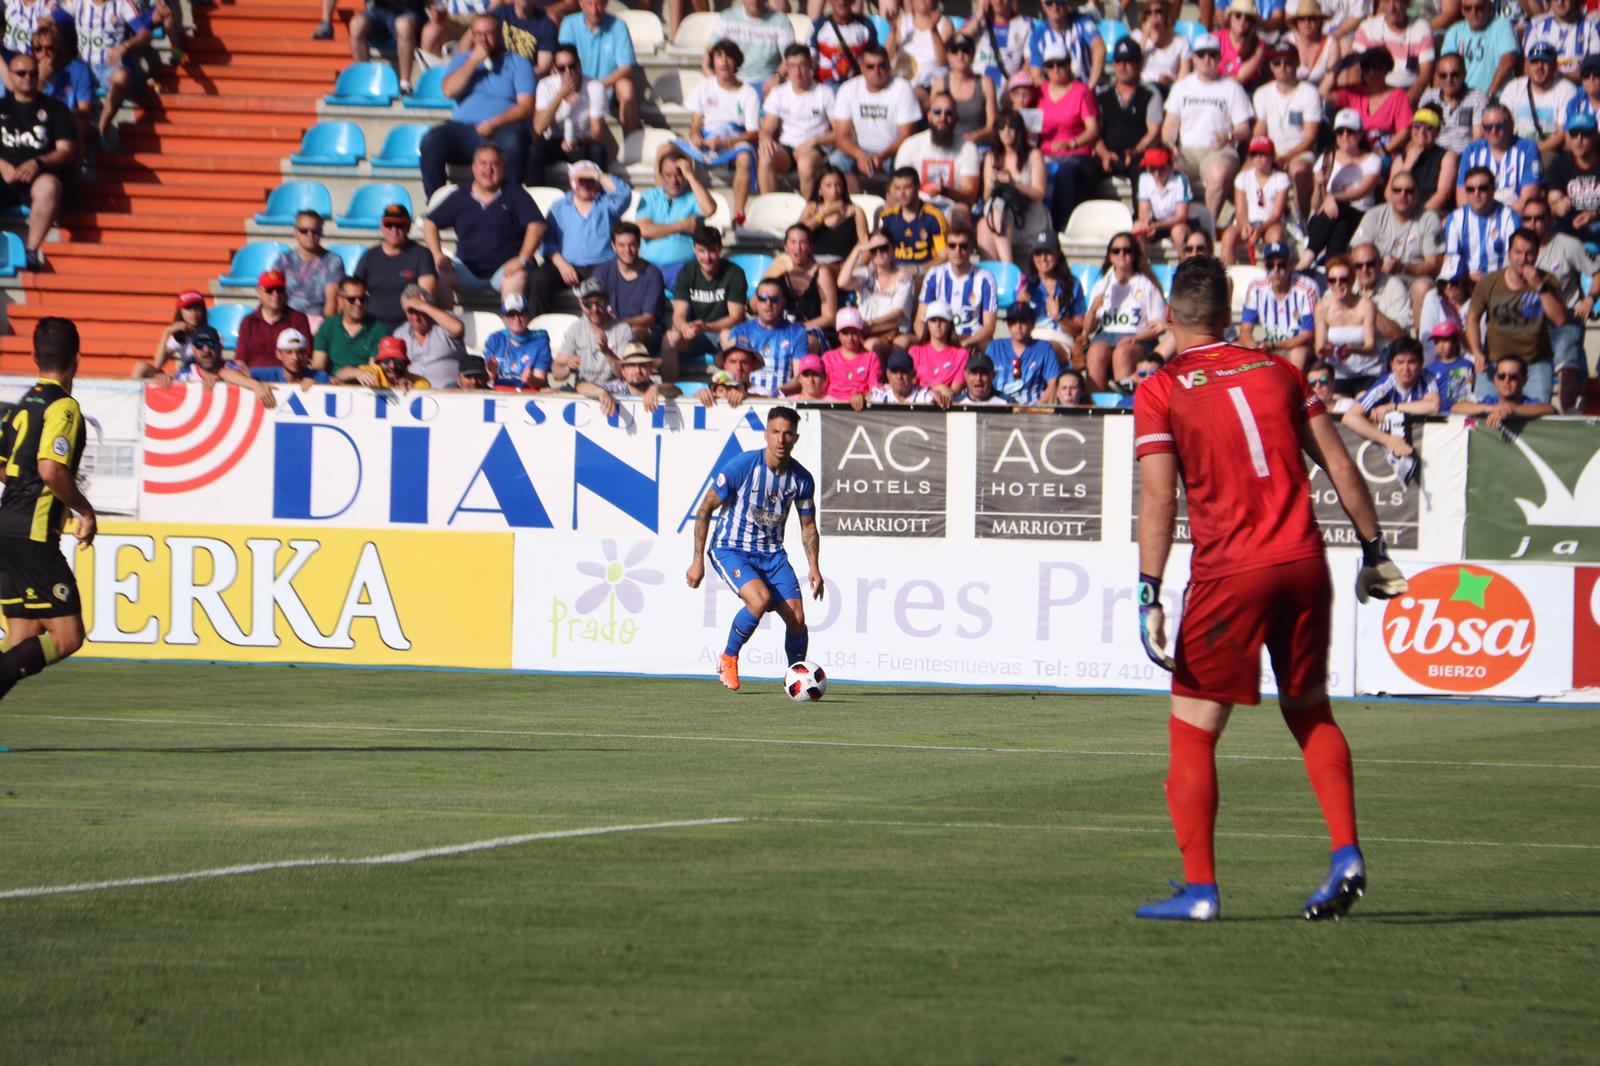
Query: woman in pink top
<point x="1385" y="111"/>
<point x="1240" y="45"/>
<point x="939" y="362"/>
<point x="1070" y="124"/>
<point x="851" y="367"/>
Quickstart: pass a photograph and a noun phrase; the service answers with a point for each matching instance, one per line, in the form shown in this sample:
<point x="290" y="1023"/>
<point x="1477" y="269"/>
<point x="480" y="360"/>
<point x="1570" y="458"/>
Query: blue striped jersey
<point x="1572" y="40"/>
<point x="1279" y="318"/>
<point x="101" y="27"/>
<point x="1479" y="241"/>
<point x="1075" y="44"/>
<point x="1385" y="390"/>
<point x="756" y="501"/>
<point x="970" y="297"/>
<point x="1518" y="167"/>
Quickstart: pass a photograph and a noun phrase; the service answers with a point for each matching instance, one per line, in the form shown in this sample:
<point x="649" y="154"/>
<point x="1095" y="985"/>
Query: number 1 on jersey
<point x="1252" y="435"/>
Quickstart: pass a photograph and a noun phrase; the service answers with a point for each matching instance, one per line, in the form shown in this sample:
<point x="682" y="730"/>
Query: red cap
<point x="392" y="348"/>
<point x="1262" y="146"/>
<point x="1156" y="156"/>
<point x="189" y="298"/>
<point x="270" y="279"/>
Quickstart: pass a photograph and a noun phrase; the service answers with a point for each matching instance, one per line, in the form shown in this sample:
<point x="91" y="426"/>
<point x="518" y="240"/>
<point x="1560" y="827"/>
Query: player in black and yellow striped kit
<point x="41" y="445"/>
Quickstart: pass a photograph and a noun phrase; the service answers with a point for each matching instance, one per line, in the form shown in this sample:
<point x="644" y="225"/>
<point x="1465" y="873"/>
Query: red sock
<point x="1328" y="766"/>
<point x="1192" y="798"/>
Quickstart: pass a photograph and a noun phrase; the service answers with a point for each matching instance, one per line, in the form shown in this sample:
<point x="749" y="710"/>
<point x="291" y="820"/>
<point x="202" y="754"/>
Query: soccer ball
<point x="804" y="682"/>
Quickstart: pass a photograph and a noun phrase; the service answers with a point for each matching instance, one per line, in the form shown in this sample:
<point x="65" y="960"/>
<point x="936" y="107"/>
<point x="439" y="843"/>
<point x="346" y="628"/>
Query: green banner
<point x="1534" y="493"/>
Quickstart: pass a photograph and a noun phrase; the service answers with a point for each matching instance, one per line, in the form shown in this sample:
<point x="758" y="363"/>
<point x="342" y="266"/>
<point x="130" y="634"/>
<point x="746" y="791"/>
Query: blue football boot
<point x="1346" y="883"/>
<point x="1191" y="903"/>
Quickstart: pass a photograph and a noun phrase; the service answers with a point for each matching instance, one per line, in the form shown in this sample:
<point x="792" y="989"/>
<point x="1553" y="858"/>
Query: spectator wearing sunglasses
<point x="1432" y="167"/>
<point x="948" y="170"/>
<point x="780" y="343"/>
<point x="1539" y="101"/>
<point x="569" y="117"/>
<point x="1574" y="178"/>
<point x="1573" y="32"/>
<point x="350" y="338"/>
<point x="1486" y="44"/>
<point x="310" y="272"/>
<point x="1067" y="30"/>
<point x="397" y="262"/>
<point x="967" y="289"/>
<point x="1460" y="108"/>
<point x="872" y="116"/>
<point x="1477" y="234"/>
<point x="1280" y="310"/>
<point x="1410" y="242"/>
<point x="1025" y="368"/>
<point x="64" y="77"/>
<point x="1319" y="376"/>
<point x="1508" y="401"/>
<point x="1566" y="259"/>
<point x="1587" y="101"/>
<point x="257" y="346"/>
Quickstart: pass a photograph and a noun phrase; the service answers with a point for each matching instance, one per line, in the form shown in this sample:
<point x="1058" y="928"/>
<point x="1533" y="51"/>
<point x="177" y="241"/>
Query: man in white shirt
<point x="1538" y="101"/>
<point x="1207" y="117"/>
<point x="947" y="169"/>
<point x="796" y="132"/>
<point x="872" y="116"/>
<point x="569" y="116"/>
<point x="1289" y="114"/>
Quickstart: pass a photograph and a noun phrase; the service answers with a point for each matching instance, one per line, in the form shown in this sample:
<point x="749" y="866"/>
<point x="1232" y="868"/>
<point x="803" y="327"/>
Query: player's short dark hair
<point x="1485" y="171"/>
<point x="55" y="343"/>
<point x="905" y="174"/>
<point x="731" y="50"/>
<point x="788" y="414"/>
<point x="707" y="236"/>
<point x="1523" y="233"/>
<point x="1406" y="345"/>
<point x="622" y="228"/>
<point x="1199" y="297"/>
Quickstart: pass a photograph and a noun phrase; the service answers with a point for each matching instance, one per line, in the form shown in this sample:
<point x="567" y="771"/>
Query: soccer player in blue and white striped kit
<point x="754" y="492"/>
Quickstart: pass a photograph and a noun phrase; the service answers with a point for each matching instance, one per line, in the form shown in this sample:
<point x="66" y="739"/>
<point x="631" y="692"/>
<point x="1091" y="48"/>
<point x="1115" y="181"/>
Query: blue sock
<point x="795" y="645"/>
<point x="744" y="625"/>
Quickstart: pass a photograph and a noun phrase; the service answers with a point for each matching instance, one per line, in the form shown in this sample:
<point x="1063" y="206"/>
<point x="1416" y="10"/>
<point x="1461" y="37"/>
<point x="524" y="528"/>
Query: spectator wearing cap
<point x="1588" y="99"/>
<point x="1571" y="30"/>
<point x="1289" y="114"/>
<point x="569" y="117"/>
<point x="493" y="93"/>
<point x="390" y="368"/>
<point x="1448" y="302"/>
<point x="592" y="345"/>
<point x="1409" y="241"/>
<point x="633" y="381"/>
<point x="1432" y="168"/>
<point x="724" y="386"/>
<point x="1260" y="204"/>
<point x="1164" y="199"/>
<point x="1512" y="313"/>
<point x="39" y="154"/>
<point x="1317" y="52"/>
<point x="350" y="338"/>
<point x="474" y="376"/>
<point x="1508" y="400"/>
<point x="1069" y="126"/>
<point x="636" y="288"/>
<point x="1459" y="107"/>
<point x="1574" y="180"/>
<point x="812" y="374"/>
<point x="498" y="228"/>
<point x="1130" y="114"/>
<point x="291" y="364"/>
<point x="188" y="315"/>
<point x="1016" y="191"/>
<point x="433" y="338"/>
<point x="390" y="267"/>
<point x="977" y="102"/>
<point x="1451" y="369"/>
<point x="257" y="345"/>
<point x="1384" y="111"/>
<point x="1167" y="54"/>
<point x="1539" y="100"/>
<point x="886" y="294"/>
<point x="968" y="290"/>
<point x="670" y="212"/>
<point x="1486" y="43"/>
<point x="1025" y="368"/>
<point x="708" y="299"/>
<point x="606" y="51"/>
<point x="1347" y="186"/>
<point x="577" y="235"/>
<point x="1512" y="161"/>
<point x="1242" y="54"/>
<point x="977" y="386"/>
<point x="852" y="367"/>
<point x="915" y="228"/>
<point x="1207" y="117"/>
<point x="872" y="116"/>
<point x="1051" y="289"/>
<point x="1478" y="233"/>
<point x="381" y="23"/>
<point x="779" y="342"/>
<point x="940" y="361"/>
<point x="899" y="387"/>
<point x="517" y="357"/>
<point x="1280" y="310"/>
<point x="1408" y="41"/>
<point x="311" y="273"/>
<point x="1068" y="31"/>
<point x="1575" y="270"/>
<point x="948" y="170"/>
<point x="1022" y="97"/>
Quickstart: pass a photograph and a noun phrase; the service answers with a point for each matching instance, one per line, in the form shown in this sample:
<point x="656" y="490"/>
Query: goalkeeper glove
<point x="1153" y="622"/>
<point x="1378" y="577"/>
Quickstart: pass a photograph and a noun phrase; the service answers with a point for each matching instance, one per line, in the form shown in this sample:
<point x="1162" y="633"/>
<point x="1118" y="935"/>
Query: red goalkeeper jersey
<point x="1232" y="416"/>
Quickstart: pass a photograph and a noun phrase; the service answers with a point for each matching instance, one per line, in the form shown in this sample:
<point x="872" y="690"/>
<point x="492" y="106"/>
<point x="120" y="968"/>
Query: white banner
<point x="1468" y="629"/>
<point x="112" y="413"/>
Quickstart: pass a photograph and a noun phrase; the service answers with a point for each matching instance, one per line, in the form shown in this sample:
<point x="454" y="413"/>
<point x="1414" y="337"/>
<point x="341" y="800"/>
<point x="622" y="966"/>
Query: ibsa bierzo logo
<point x="1460" y="628"/>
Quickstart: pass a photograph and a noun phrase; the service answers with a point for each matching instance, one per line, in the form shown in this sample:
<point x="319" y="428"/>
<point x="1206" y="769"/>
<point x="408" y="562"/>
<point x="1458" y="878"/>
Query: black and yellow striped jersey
<point x="45" y="424"/>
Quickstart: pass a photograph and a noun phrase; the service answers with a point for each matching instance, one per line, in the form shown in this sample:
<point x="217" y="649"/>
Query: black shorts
<point x="35" y="581"/>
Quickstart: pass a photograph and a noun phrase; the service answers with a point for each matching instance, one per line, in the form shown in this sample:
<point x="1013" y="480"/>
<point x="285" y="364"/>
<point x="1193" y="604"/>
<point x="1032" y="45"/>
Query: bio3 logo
<point x="1459" y="628"/>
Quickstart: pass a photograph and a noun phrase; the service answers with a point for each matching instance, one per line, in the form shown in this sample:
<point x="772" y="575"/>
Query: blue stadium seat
<point x="366" y="206"/>
<point x="754" y="265"/>
<point x="428" y="92"/>
<point x="881" y="26"/>
<point x="1006" y="277"/>
<point x="1112" y="31"/>
<point x="350" y="253"/>
<point x="331" y="144"/>
<point x="956" y="22"/>
<point x="1163" y="273"/>
<point x="371" y="84"/>
<point x="250" y="261"/>
<point x="1189" y="29"/>
<point x="225" y="319"/>
<point x="292" y="197"/>
<point x="402" y="148"/>
<point x="1087" y="274"/>
<point x="12" y="254"/>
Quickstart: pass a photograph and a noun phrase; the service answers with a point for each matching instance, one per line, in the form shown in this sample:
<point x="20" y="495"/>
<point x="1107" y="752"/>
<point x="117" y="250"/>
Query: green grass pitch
<point x="936" y="875"/>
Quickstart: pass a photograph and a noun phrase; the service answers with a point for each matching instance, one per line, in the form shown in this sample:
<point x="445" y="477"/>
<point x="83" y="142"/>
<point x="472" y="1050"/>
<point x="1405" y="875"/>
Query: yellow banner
<point x="294" y="594"/>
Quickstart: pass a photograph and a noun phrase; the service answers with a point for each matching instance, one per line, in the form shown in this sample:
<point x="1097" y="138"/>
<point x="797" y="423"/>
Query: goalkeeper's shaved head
<point x="1199" y="301"/>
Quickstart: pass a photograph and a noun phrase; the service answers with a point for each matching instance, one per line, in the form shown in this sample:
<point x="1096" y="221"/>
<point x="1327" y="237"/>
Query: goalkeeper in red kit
<point x="1234" y="424"/>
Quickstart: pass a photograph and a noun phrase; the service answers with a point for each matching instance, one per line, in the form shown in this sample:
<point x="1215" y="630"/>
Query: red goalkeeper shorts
<point x="1287" y="606"/>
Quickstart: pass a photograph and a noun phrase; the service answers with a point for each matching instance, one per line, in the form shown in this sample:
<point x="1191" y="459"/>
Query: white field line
<point x="1149" y="831"/>
<point x="678" y="737"/>
<point x="369" y="860"/>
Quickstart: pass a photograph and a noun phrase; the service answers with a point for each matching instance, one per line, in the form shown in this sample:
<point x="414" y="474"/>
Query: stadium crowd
<point x="1409" y="195"/>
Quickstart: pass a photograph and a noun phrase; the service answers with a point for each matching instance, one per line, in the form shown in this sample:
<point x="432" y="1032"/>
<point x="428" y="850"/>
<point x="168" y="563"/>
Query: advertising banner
<point x="1039" y="478"/>
<point x="1586" y="627"/>
<point x="1397" y="503"/>
<point x="1534" y="494"/>
<point x="112" y="416"/>
<point x="286" y="594"/>
<point x="883" y="474"/>
<point x="1032" y="615"/>
<point x="1466" y="629"/>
